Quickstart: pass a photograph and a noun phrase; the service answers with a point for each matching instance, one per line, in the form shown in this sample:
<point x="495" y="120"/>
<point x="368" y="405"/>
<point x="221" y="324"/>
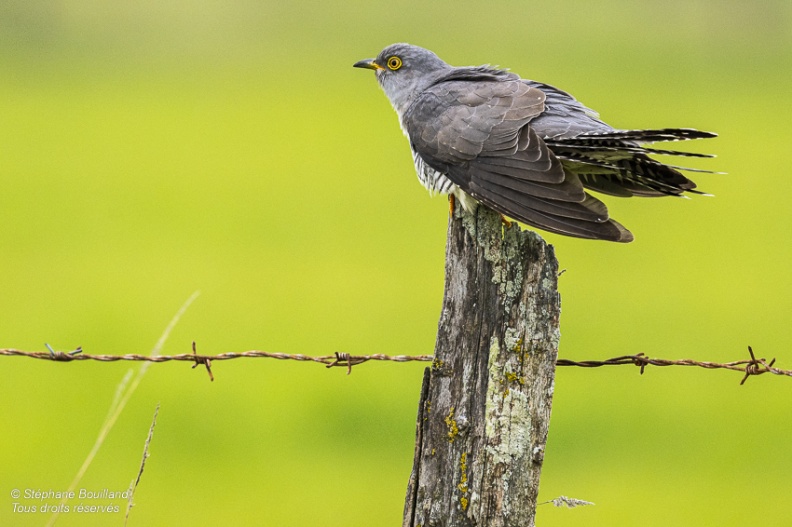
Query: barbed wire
<point x="749" y="367"/>
<point x="752" y="366"/>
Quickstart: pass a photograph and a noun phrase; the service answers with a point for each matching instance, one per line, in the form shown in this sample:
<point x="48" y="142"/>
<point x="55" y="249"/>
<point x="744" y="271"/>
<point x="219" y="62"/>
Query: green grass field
<point x="154" y="149"/>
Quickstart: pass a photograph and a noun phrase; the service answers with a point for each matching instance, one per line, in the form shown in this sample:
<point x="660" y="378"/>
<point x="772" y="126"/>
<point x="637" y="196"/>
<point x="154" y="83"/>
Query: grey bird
<point x="525" y="149"/>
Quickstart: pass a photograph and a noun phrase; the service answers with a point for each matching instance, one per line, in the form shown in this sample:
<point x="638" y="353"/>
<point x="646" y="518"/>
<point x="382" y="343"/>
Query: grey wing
<point x="564" y="116"/>
<point x="478" y="135"/>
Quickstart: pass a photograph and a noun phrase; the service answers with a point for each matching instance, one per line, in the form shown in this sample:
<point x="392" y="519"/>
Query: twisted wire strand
<point x="750" y="367"/>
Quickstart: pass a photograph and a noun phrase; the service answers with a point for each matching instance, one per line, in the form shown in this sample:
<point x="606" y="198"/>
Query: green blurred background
<point x="150" y="149"/>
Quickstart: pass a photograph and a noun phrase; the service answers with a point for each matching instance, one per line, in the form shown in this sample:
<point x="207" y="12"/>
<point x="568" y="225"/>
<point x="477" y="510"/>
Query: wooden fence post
<point x="485" y="402"/>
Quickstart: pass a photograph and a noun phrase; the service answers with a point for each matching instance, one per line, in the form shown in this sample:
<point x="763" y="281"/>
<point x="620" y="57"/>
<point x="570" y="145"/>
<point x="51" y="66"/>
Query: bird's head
<point x="404" y="71"/>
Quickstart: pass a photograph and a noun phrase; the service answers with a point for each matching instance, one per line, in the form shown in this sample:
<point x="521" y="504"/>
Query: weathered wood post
<point x="485" y="403"/>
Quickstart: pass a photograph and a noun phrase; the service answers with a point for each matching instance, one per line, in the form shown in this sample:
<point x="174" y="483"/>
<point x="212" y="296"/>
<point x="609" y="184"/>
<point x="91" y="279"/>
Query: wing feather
<point x="478" y="134"/>
<point x="551" y="221"/>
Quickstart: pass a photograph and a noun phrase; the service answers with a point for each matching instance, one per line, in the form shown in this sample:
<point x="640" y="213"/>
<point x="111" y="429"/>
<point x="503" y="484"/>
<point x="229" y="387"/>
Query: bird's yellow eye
<point x="394" y="63"/>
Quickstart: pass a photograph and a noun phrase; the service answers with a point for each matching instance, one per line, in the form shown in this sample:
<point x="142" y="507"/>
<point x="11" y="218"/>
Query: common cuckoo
<point x="526" y="149"/>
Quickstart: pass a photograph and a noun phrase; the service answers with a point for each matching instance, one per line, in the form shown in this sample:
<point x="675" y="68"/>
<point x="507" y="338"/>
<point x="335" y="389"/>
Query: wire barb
<point x="206" y="361"/>
<point x="59" y="355"/>
<point x="756" y="366"/>
<point x="641" y="360"/>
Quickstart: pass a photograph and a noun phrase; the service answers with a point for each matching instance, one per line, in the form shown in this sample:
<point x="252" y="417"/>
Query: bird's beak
<point x="368" y="64"/>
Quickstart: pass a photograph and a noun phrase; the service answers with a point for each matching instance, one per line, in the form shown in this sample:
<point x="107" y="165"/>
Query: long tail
<point x="616" y="162"/>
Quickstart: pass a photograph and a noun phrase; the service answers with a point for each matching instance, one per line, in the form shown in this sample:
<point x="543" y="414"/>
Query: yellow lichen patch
<point x="513" y="377"/>
<point x="453" y="429"/>
<point x="462" y="487"/>
<point x="437" y="364"/>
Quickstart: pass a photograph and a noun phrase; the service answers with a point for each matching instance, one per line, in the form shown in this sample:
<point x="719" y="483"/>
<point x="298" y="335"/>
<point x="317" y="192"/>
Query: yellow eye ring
<point x="394" y="63"/>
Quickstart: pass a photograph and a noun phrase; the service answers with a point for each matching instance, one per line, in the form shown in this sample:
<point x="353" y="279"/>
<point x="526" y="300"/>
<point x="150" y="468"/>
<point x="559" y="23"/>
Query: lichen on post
<point x="485" y="402"/>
